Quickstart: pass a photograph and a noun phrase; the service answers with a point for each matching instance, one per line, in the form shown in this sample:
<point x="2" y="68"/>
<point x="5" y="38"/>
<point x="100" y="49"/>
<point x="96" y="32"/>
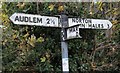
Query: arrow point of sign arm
<point x="12" y="17"/>
<point x="109" y="24"/>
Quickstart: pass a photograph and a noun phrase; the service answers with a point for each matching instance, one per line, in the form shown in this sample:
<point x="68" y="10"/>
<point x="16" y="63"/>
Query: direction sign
<point x="90" y="23"/>
<point x="28" y="19"/>
<point x="73" y="32"/>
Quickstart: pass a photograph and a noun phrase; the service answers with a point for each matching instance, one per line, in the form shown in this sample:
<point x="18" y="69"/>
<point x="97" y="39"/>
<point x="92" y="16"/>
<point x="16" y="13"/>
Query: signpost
<point x="73" y="32"/>
<point x="38" y="20"/>
<point x="90" y="23"/>
<point x="69" y="28"/>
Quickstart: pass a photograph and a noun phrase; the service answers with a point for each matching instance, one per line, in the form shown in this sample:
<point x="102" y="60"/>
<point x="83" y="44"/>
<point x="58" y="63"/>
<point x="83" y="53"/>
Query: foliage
<point x="33" y="48"/>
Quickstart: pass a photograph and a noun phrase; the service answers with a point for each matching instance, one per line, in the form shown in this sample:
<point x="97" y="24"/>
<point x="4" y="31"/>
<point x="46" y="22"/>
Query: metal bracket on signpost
<point x="64" y="45"/>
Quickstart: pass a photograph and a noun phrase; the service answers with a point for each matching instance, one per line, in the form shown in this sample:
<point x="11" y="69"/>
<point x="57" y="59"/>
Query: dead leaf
<point x="60" y="8"/>
<point x="51" y="7"/>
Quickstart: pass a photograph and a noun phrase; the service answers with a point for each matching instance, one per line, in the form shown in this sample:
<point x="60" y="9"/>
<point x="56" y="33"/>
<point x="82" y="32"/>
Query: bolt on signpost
<point x="69" y="28"/>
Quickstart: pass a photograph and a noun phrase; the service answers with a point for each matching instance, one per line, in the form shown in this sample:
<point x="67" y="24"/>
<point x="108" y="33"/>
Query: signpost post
<point x="64" y="45"/>
<point x="69" y="28"/>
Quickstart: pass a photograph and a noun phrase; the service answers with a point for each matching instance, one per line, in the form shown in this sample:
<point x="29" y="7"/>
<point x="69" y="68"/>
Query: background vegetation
<point x="33" y="48"/>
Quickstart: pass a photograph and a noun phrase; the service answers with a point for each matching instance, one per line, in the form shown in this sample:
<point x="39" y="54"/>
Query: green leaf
<point x="40" y="40"/>
<point x="43" y="59"/>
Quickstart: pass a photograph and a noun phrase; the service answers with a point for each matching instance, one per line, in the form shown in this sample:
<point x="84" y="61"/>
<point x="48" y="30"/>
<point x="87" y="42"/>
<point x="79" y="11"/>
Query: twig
<point x="102" y="47"/>
<point x="37" y="8"/>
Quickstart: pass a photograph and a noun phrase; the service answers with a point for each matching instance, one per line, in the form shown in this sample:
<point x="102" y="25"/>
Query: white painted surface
<point x="73" y="32"/>
<point x="65" y="65"/>
<point x="90" y="23"/>
<point x="46" y="20"/>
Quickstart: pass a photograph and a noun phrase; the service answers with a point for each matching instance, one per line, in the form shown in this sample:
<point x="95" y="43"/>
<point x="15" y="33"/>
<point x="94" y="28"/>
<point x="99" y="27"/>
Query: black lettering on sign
<point x="82" y="25"/>
<point x="90" y="25"/>
<point x="83" y="20"/>
<point x="26" y="19"/>
<point x="30" y="19"/>
<point x="99" y="25"/>
<point x="48" y="21"/>
<point x="76" y="20"/>
<point x="86" y="21"/>
<point x="77" y="34"/>
<point x="34" y="19"/>
<point x="102" y="26"/>
<point x="108" y="25"/>
<point x="70" y="29"/>
<point x="21" y="18"/>
<point x="73" y="19"/>
<point x="39" y="20"/>
<point x="16" y="18"/>
<point x="93" y="25"/>
<point x="53" y="21"/>
<point x="79" y="20"/>
<point x="89" y="21"/>
<point x="76" y="28"/>
<point x="73" y="29"/>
